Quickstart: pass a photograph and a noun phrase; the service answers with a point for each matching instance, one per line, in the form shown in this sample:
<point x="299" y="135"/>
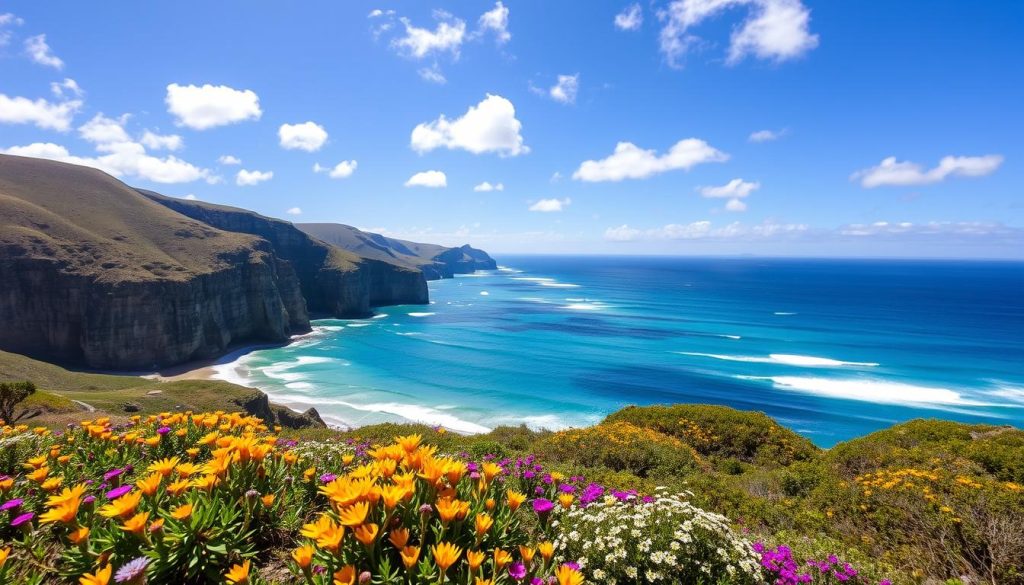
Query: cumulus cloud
<point x="161" y="141"/>
<point x="735" y="205"/>
<point x="104" y="131"/>
<point x="936" y="229"/>
<point x="734" y="188"/>
<point x="629" y="161"/>
<point x="565" y="90"/>
<point x="704" y="229"/>
<point x="766" y="135"/>
<point x="40" y="52"/>
<point x="66" y="89"/>
<point x="294" y="211"/>
<point x="775" y="30"/>
<point x="487" y="187"/>
<point x="496" y="21"/>
<point x="419" y="43"/>
<point x="8" y="20"/>
<point x="432" y="74"/>
<point x="550" y="205"/>
<point x="308" y="136"/>
<point x="190" y="197"/>
<point x="246" y="178"/>
<point x="209" y="106"/>
<point x="891" y="172"/>
<point x="40" y="112"/>
<point x="341" y="170"/>
<point x="431" y="179"/>
<point x="490" y="126"/>
<point x="630" y="18"/>
<point x="227" y="159"/>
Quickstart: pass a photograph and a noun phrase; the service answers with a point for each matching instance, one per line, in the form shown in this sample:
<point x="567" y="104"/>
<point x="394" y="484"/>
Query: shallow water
<point x="832" y="349"/>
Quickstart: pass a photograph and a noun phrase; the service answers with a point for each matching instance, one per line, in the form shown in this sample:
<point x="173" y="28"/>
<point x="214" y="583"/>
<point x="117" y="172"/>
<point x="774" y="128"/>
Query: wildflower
<point x="566" y="500"/>
<point x="238" y="574"/>
<point x="410" y="555"/>
<point x="447" y="509"/>
<point x="475" y="558"/>
<point x="399" y="537"/>
<point x="133" y="571"/>
<point x="136" y="524"/>
<point x="268" y="500"/>
<point x="355" y="514"/>
<point x="177" y="488"/>
<point x="542" y="506"/>
<point x="78" y="536"/>
<point x="567" y="575"/>
<point x="118" y="492"/>
<point x="163" y="466"/>
<point x="446" y="554"/>
<point x="11" y="504"/>
<point x="527" y="553"/>
<point x="112" y="474"/>
<point x="303" y="556"/>
<point x="64" y="512"/>
<point x="19" y="520"/>
<point x="182" y="512"/>
<point x="149" y="484"/>
<point x="345" y="576"/>
<point x="546" y="550"/>
<point x="100" y="577"/>
<point x="123" y="506"/>
<point x="366" y="534"/>
<point x="501" y="558"/>
<point x="517" y="571"/>
<point x="4" y="553"/>
<point x="483" y="524"/>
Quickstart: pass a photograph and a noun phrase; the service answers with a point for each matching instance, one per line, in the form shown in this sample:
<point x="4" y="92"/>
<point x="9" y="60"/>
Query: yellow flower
<point x="527" y="553"/>
<point x="399" y="537"/>
<point x="567" y="575"/>
<point x="100" y="577"/>
<point x="4" y="553"/>
<point x="479" y="581"/>
<point x="64" y="512"/>
<point x="446" y="554"/>
<point x="565" y="500"/>
<point x="515" y="499"/>
<point x="447" y="509"/>
<point x="409" y="442"/>
<point x="149" y="484"/>
<point x="303" y="555"/>
<point x="238" y="574"/>
<point x="501" y="558"/>
<point x="164" y="466"/>
<point x="355" y="514"/>
<point x="391" y="495"/>
<point x="345" y="576"/>
<point x="39" y="475"/>
<point x="410" y="555"/>
<point x="491" y="470"/>
<point x="136" y="524"/>
<point x="186" y="469"/>
<point x="475" y="558"/>
<point x="182" y="512"/>
<point x="123" y="506"/>
<point x="546" y="550"/>
<point x="483" y="524"/>
<point x="366" y="534"/>
<point x="206" y="482"/>
<point x="78" y="536"/>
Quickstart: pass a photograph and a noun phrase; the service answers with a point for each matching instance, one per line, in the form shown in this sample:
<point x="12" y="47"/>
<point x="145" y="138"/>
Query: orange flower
<point x="177" y="488"/>
<point x="4" y="553"/>
<point x="345" y="576"/>
<point x="65" y="512"/>
<point x="409" y="442"/>
<point x="399" y="537"/>
<point x="565" y="500"/>
<point x="491" y="470"/>
<point x="100" y="577"/>
<point x="148" y="485"/>
<point x="515" y="499"/>
<point x="136" y="524"/>
<point x="123" y="506"/>
<point x="163" y="466"/>
<point x="501" y="558"/>
<point x="410" y="555"/>
<point x="391" y="495"/>
<point x="475" y="558"/>
<point x="304" y="556"/>
<point x="447" y="509"/>
<point x="355" y="514"/>
<point x="527" y="553"/>
<point x="446" y="554"/>
<point x="483" y="524"/>
<point x="268" y="500"/>
<point x="182" y="512"/>
<point x="546" y="550"/>
<point x="238" y="574"/>
<point x="366" y="534"/>
<point x="78" y="536"/>
<point x="567" y="575"/>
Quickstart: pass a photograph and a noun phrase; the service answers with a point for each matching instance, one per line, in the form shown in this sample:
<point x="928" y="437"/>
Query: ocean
<point x="833" y="349"/>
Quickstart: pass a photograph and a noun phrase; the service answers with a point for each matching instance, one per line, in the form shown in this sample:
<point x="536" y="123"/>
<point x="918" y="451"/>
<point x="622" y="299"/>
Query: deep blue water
<point x="831" y="348"/>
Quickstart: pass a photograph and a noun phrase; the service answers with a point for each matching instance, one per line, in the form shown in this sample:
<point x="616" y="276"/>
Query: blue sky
<point x="886" y="129"/>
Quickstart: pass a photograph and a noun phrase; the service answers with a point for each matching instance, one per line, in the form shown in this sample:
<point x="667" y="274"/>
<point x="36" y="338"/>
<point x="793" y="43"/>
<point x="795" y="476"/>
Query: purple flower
<point x="112" y="474"/>
<point x="163" y="430"/>
<point x="517" y="571"/>
<point x="18" y="521"/>
<point x="572" y="566"/>
<point x="542" y="506"/>
<point x="88" y="500"/>
<point x="11" y="504"/>
<point x="328" y="478"/>
<point x="134" y="571"/>
<point x="118" y="492"/>
<point x="536" y="581"/>
<point x="566" y="488"/>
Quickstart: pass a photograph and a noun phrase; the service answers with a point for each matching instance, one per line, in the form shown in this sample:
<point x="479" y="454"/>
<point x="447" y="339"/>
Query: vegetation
<point x="11" y="394"/>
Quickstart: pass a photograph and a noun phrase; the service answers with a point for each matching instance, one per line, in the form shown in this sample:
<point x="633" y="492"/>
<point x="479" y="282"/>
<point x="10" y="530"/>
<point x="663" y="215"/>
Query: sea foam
<point x="807" y="361"/>
<point x="873" y="390"/>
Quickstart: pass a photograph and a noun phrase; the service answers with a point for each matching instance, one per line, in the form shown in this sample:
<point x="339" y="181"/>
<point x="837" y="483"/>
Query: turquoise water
<point x="832" y="349"/>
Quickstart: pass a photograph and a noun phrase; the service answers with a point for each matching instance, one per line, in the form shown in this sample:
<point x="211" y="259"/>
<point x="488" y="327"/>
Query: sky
<point x="766" y="127"/>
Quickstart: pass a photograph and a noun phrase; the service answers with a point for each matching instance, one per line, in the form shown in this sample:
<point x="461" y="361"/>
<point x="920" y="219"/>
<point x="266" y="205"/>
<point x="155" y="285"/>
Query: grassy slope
<point x="94" y="224"/>
<point x="410" y="254"/>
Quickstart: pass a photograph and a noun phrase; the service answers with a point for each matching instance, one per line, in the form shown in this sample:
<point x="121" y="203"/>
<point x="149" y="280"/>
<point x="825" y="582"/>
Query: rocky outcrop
<point x="335" y="282"/>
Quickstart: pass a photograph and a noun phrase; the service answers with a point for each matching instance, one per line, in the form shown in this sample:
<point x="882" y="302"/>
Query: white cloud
<point x="42" y="113"/>
<point x="209" y="106"/>
<point x="891" y="172"/>
<point x="308" y="136"/>
<point x="68" y="87"/>
<point x="490" y="126"/>
<point x="431" y="179"/>
<point x="377" y="13"/>
<point x="556" y="177"/>
<point x="774" y="29"/>
<point x="294" y="211"/>
<point x="8" y="20"/>
<point x="705" y="230"/>
<point x="630" y="18"/>
<point x="487" y="187"/>
<point x="432" y="74"/>
<point x="938" y="229"/>
<point x="565" y="90"/>
<point x="190" y="197"/>
<point x="735" y="205"/>
<point x="421" y="42"/>
<point x="161" y="141"/>
<point x="734" y="188"/>
<point x="39" y="52"/>
<point x="246" y="178"/>
<point x="341" y="170"/>
<point x="227" y="159"/>
<point x="550" y="205"/>
<point x="104" y="131"/>
<point x="766" y="135"/>
<point x="632" y="162"/>
<point x="496" y="20"/>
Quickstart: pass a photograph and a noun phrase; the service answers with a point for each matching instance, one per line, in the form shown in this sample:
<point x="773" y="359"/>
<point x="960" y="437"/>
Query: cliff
<point x="334" y="281"/>
<point x="94" y="273"/>
<point x="433" y="260"/>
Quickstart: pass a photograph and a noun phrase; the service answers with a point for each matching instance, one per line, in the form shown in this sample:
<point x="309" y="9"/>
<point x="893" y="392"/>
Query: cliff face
<point x="434" y="261"/>
<point x="334" y="281"/>
<point x="91" y="272"/>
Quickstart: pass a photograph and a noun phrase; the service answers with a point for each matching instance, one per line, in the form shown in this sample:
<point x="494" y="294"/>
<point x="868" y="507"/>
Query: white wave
<point x="408" y="333"/>
<point x="872" y="390"/>
<point x="484" y="293"/>
<point x="584" y="306"/>
<point x="533" y="279"/>
<point x="411" y="412"/>
<point x="509" y="269"/>
<point x="299" y="385"/>
<point x="785" y="359"/>
<point x="358" y="325"/>
<point x="1010" y="392"/>
<point x="559" y="284"/>
<point x="783" y="313"/>
<point x="421" y="314"/>
<point x="730" y="336"/>
<point x="381" y="316"/>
